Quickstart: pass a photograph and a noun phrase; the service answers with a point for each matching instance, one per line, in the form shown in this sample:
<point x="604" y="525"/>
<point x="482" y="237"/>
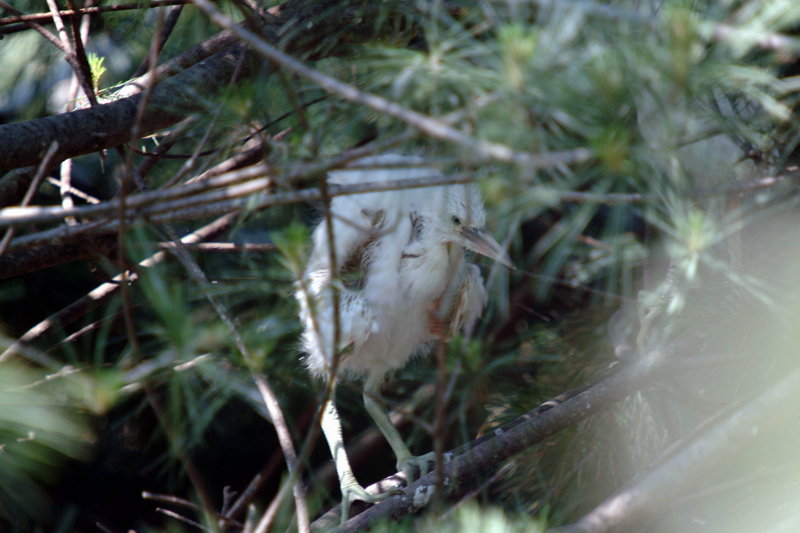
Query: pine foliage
<point x="638" y="159"/>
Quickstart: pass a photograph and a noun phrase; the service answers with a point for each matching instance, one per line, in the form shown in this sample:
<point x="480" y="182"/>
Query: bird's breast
<point x="423" y="276"/>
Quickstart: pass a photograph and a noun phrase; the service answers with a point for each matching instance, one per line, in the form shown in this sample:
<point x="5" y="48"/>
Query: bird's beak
<point x="480" y="241"/>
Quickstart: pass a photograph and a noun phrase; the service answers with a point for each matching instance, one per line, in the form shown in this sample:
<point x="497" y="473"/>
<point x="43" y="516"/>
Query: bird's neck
<point x="449" y="262"/>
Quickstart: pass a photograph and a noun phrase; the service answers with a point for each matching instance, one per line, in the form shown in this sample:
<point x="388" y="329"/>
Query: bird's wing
<point x="356" y="322"/>
<point x="352" y="228"/>
<point x="469" y="301"/>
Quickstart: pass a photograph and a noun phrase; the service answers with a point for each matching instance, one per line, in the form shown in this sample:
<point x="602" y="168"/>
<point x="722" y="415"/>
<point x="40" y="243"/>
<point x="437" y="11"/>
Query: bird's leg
<point x="351" y="489"/>
<point x="405" y="461"/>
<point x="437" y="326"/>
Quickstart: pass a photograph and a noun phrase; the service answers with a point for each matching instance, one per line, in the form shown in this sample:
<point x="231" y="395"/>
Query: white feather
<point x="411" y="265"/>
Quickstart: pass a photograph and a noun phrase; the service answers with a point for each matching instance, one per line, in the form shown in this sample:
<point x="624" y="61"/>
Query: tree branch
<point x="13" y="23"/>
<point x="486" y="455"/>
<point x="21" y="262"/>
<point x="110" y="125"/>
<point x="106" y="126"/>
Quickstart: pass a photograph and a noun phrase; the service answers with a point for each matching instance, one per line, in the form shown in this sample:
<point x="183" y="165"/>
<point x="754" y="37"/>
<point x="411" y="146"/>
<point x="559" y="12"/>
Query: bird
<point x="385" y="279"/>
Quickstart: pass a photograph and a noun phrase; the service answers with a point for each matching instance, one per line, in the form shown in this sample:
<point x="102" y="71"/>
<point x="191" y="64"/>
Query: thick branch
<point x="23" y="261"/>
<point x="109" y="125"/>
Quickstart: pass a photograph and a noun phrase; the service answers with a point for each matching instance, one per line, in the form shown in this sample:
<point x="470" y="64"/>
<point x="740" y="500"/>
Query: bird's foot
<point x="352" y="491"/>
<point x="413" y="464"/>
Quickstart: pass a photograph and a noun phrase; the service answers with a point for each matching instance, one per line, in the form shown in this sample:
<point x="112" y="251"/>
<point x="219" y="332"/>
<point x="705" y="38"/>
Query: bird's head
<point x="463" y="222"/>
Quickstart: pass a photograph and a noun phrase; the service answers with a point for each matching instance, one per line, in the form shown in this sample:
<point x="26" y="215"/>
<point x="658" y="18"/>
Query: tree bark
<point x="311" y="29"/>
<point x="108" y="125"/>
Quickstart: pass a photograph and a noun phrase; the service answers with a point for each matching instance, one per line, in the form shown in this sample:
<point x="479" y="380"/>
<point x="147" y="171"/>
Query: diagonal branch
<point x="486" y="455"/>
<point x="109" y="125"/>
<point x="106" y="126"/>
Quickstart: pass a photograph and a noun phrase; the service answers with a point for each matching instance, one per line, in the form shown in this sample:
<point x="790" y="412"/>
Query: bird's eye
<point x="456" y="221"/>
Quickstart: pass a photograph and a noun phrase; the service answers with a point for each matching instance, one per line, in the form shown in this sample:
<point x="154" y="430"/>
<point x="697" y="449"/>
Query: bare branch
<point x="71" y="13"/>
<point x="181" y="518"/>
<point x="222" y="247"/>
<point x="169" y="498"/>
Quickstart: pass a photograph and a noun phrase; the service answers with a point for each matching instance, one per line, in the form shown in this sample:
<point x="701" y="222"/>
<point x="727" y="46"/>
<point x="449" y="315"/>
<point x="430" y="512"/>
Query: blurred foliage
<point x="678" y="118"/>
<point x="41" y="425"/>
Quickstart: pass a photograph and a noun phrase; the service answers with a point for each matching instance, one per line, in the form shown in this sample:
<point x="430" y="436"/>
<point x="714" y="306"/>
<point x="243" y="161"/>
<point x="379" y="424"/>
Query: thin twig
<point x="65" y="170"/>
<point x="60" y="28"/>
<point x="268" y="395"/>
<point x="222" y="247"/>
<point x="181" y="518"/>
<point x="166" y="31"/>
<point x="70" y="189"/>
<point x="44" y="32"/>
<point x="84" y="72"/>
<point x="169" y="498"/>
<point x="71" y="13"/>
<point x="256" y="482"/>
<point x="74" y="53"/>
<point x="130" y="178"/>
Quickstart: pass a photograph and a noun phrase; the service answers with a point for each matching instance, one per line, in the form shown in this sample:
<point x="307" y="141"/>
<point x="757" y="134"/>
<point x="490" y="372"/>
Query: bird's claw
<point x="354" y="492"/>
<point x="413" y="464"/>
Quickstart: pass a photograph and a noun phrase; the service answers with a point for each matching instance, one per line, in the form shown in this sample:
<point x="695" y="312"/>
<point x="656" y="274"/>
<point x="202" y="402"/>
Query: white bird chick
<point x="403" y="283"/>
